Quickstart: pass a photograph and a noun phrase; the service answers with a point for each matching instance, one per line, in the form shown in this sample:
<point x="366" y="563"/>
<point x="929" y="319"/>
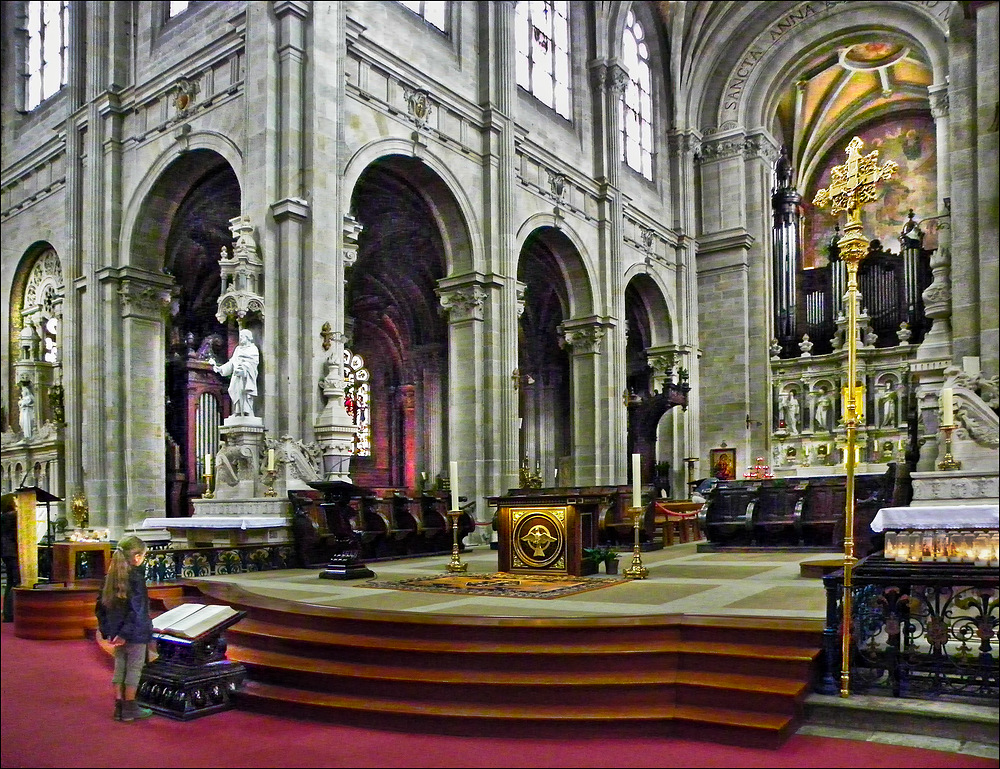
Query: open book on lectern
<point x="194" y="620"/>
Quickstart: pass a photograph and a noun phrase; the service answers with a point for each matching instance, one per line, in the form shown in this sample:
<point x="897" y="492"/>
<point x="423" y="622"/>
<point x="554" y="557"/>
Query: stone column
<point x="135" y="470"/>
<point x="292" y="216"/>
<point x="498" y="457"/>
<point x="588" y="401"/>
<point x="464" y="300"/>
<point x="609" y="463"/>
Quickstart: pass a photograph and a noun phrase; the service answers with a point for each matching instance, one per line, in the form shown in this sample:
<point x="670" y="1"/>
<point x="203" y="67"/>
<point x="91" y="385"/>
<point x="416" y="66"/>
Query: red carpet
<point x="56" y="712"/>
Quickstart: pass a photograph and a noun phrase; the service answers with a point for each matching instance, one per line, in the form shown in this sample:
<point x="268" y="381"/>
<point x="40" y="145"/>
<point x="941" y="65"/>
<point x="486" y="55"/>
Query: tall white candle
<point x="947" y="407"/>
<point x="636" y="498"/>
<point x="454" y="486"/>
<point x="270" y="459"/>
<point x="208" y="464"/>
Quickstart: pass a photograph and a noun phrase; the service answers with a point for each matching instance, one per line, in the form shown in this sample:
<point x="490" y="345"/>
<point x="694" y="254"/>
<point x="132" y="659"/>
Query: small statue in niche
<point x="26" y="409"/>
<point x="821" y="417"/>
<point x="790" y="412"/>
<point x="888" y="401"/>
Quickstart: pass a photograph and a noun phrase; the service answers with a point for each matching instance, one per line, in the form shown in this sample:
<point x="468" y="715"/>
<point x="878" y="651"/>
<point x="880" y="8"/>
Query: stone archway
<point x="394" y="320"/>
<point x="183" y="225"/>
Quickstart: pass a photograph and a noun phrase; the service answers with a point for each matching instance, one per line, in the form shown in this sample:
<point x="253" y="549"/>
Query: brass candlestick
<point x="269" y="478"/>
<point x="207" y="494"/>
<point x="949" y="462"/>
<point x="636" y="570"/>
<point x="456" y="564"/>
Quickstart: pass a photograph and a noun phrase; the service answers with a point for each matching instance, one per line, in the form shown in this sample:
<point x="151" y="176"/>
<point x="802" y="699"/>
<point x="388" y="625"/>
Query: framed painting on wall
<point x="723" y="463"/>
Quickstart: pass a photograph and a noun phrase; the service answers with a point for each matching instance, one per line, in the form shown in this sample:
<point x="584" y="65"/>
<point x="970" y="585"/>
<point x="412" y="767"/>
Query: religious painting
<point x="911" y="143"/>
<point x="723" y="463"/>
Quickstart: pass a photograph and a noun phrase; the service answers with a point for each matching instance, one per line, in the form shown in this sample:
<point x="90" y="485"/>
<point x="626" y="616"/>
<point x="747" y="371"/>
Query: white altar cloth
<point x="216" y="522"/>
<point x="937" y="517"/>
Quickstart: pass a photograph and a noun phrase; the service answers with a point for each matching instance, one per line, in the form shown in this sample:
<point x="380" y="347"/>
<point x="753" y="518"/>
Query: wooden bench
<point x="776" y="512"/>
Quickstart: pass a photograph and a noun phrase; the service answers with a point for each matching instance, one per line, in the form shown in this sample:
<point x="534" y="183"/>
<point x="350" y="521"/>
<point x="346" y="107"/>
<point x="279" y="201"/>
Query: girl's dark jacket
<point x="129" y="618"/>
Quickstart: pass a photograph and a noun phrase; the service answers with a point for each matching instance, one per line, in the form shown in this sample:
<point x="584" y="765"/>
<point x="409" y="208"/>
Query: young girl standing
<point x="124" y="620"/>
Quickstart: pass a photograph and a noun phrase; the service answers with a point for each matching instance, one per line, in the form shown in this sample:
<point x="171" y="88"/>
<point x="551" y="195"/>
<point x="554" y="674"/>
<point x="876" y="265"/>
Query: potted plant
<point x="606" y="555"/>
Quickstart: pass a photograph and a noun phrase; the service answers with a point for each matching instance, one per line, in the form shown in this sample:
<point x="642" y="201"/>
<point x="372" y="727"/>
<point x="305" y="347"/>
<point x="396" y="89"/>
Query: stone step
<point x="960" y="721"/>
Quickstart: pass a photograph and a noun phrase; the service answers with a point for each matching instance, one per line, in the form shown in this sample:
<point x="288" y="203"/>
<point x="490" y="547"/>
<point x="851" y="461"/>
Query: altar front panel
<point x="544" y="539"/>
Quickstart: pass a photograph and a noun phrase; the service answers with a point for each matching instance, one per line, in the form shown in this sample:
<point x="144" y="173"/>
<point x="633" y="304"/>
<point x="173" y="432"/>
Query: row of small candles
<point x="975" y="547"/>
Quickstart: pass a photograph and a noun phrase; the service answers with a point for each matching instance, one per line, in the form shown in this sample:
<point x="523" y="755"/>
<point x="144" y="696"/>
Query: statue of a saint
<point x="822" y="416"/>
<point x="26" y="408"/>
<point x="242" y="370"/>
<point x="888" y="401"/>
<point x="790" y="412"/>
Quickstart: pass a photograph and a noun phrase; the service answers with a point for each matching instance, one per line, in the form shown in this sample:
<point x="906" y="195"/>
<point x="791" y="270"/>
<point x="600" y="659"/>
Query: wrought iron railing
<point x="923" y="630"/>
<point x="165" y="564"/>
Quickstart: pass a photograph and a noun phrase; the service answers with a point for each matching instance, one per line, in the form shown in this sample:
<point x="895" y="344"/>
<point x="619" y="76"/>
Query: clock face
<point x="538" y="537"/>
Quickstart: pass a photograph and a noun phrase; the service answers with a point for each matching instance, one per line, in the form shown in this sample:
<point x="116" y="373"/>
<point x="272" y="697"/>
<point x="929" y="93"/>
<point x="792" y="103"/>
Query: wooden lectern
<point x="26" y="499"/>
<point x="192" y="677"/>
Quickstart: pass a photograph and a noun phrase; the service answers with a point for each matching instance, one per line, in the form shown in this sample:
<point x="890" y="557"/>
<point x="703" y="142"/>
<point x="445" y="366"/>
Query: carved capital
<point x="583" y="337"/>
<point x="461" y="304"/>
<point x="142" y="300"/>
<point x="352" y="231"/>
<point x="938" y="96"/>
<point x="720" y="149"/>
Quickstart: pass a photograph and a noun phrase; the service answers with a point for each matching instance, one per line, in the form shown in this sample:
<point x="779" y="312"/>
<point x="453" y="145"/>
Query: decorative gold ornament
<point x="81" y="511"/>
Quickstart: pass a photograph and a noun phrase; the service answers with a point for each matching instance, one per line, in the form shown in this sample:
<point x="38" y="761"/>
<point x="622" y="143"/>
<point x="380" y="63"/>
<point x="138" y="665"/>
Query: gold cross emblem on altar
<point x="853" y="184"/>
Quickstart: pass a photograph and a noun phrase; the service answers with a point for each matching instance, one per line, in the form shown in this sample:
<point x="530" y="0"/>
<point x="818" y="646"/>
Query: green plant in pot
<point x="606" y="555"/>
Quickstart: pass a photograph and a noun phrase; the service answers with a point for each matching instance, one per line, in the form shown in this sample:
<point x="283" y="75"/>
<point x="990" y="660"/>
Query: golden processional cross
<point x="851" y="186"/>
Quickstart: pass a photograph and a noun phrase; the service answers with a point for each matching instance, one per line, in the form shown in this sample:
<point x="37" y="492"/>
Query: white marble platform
<point x="937" y="517"/>
<point x="222" y="530"/>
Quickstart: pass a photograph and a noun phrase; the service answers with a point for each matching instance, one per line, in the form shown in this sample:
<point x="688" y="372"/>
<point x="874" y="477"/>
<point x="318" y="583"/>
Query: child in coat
<point x="124" y="620"/>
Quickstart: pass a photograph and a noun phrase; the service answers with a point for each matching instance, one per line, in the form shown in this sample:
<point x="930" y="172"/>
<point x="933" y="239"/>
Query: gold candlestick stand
<point x="269" y="478"/>
<point x="949" y="462"/>
<point x="636" y="570"/>
<point x="208" y="486"/>
<point x="456" y="564"/>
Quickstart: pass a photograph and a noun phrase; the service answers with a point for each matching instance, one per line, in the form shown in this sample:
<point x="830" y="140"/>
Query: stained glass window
<point x="357" y="394"/>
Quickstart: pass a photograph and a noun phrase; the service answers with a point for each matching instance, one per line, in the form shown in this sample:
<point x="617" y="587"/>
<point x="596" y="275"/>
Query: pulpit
<point x="26" y="499"/>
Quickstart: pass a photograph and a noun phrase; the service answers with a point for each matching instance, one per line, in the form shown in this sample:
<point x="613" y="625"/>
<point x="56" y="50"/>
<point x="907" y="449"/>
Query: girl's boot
<point x="132" y="710"/>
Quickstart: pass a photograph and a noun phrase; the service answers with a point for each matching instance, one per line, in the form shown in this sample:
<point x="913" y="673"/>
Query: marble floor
<point x="680" y="581"/>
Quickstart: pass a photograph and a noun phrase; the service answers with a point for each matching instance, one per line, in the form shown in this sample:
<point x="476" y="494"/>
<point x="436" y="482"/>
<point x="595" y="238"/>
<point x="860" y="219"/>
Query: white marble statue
<point x="822" y="416"/>
<point x="26" y="409"/>
<point x="242" y="370"/>
<point x="888" y="400"/>
<point x="790" y="412"/>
